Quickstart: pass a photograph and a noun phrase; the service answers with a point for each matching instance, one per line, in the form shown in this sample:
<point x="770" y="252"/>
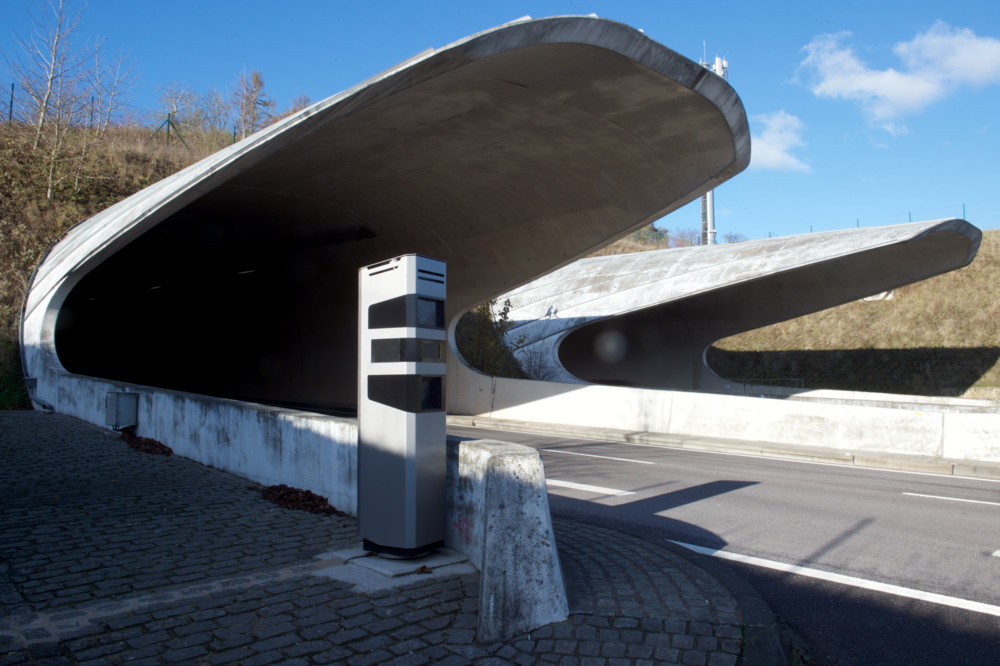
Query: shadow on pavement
<point x="837" y="625"/>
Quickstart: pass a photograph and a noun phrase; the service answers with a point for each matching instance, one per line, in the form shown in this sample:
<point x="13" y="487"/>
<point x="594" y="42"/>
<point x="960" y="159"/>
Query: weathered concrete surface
<point x="266" y="444"/>
<point x="968" y="434"/>
<point x="498" y="515"/>
<point x="506" y="154"/>
<point x="661" y="310"/>
<point x="646" y="319"/>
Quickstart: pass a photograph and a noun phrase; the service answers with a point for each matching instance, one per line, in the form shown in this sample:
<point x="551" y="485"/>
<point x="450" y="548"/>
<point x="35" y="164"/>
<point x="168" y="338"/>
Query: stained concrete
<point x="498" y="515"/>
<point x="647" y="319"/>
<point x="506" y="154"/>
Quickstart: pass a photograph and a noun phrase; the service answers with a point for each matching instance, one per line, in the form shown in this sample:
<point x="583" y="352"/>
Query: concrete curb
<point x="888" y="461"/>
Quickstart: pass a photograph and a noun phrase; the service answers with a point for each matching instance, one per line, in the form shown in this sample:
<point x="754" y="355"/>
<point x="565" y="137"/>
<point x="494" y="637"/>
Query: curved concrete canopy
<point x="646" y="319"/>
<point x="506" y="154"/>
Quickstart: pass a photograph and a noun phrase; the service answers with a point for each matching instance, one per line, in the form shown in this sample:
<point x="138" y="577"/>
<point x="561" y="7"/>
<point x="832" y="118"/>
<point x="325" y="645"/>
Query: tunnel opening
<point x="246" y="288"/>
<point x="221" y="307"/>
<point x="648" y="348"/>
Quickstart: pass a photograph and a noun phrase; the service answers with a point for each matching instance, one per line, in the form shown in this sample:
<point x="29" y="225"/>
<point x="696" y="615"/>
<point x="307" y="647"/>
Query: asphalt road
<point x="935" y="539"/>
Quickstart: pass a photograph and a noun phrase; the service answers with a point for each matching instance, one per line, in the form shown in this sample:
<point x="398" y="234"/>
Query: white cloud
<point x="934" y="64"/>
<point x="772" y="145"/>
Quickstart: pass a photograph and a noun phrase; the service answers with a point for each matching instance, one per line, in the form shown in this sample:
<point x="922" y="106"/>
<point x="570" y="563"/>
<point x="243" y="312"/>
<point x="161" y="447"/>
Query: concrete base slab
<point x="393" y="567"/>
<point x="370" y="572"/>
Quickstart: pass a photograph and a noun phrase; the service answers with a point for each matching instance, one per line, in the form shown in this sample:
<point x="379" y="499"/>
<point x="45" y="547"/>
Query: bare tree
<point x="47" y="64"/>
<point x="686" y="237"/>
<point x="62" y="82"/>
<point x="251" y="103"/>
<point x="734" y="237"/>
<point x="299" y="103"/>
<point x="113" y="80"/>
<point x="180" y="101"/>
<point x="215" y="112"/>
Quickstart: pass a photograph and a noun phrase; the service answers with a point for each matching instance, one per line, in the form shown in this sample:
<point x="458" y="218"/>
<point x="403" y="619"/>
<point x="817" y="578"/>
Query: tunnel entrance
<point x="649" y="348"/>
<point x="221" y="307"/>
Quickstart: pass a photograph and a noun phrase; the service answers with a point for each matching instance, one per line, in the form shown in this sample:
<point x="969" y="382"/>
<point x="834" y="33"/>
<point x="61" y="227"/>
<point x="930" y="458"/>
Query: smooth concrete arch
<point x="506" y="154"/>
<point x="646" y="319"/>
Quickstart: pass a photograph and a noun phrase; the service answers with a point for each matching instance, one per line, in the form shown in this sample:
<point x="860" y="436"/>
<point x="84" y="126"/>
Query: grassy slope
<point x="90" y="174"/>
<point x="940" y="336"/>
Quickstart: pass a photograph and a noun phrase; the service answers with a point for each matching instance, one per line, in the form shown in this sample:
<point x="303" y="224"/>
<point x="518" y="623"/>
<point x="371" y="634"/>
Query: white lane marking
<point x="591" y="455"/>
<point x="996" y="553"/>
<point x="856" y="468"/>
<point x="953" y="499"/>
<point x="758" y="456"/>
<point x="600" y="490"/>
<point x="875" y="586"/>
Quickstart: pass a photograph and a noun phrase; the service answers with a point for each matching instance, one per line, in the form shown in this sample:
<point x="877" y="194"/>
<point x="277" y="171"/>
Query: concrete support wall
<point x="928" y="430"/>
<point x="265" y="444"/>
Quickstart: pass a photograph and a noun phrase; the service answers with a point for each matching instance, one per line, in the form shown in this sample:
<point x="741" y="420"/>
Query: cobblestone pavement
<point x="110" y="555"/>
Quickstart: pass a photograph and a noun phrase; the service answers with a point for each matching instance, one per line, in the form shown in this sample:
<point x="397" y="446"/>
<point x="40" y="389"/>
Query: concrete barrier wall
<point x="265" y="444"/>
<point x="923" y="430"/>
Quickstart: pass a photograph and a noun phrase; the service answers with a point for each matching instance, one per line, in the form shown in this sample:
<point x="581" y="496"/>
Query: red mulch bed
<point x="303" y="500"/>
<point x="145" y="444"/>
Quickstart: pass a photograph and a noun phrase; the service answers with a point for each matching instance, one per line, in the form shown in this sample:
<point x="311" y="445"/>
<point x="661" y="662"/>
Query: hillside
<point x="937" y="337"/>
<point x="42" y="194"/>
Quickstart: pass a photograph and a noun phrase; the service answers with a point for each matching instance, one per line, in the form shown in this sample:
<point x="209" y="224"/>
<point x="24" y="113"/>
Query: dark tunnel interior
<point x="505" y="168"/>
<point x="216" y="307"/>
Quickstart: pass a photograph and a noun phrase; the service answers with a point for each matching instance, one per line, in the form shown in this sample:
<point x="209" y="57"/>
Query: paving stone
<point x="237" y="655"/>
<point x="184" y="655"/>
<point x="694" y="658"/>
<point x="640" y="651"/>
<point x="212" y="573"/>
<point x="667" y="654"/>
<point x="377" y="657"/>
<point x="722" y="659"/>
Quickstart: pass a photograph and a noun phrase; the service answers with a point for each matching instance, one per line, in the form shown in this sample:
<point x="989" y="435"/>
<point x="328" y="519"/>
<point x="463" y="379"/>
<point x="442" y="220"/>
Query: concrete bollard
<point x="498" y="515"/>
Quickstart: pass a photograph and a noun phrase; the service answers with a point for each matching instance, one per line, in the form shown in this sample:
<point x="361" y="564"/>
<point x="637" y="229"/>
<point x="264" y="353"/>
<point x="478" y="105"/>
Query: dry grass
<point x="90" y="174"/>
<point x="643" y="240"/>
<point x="937" y="337"/>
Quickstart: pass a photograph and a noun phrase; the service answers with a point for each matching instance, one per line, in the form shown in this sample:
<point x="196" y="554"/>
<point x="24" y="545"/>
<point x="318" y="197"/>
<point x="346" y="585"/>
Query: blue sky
<point x="861" y="113"/>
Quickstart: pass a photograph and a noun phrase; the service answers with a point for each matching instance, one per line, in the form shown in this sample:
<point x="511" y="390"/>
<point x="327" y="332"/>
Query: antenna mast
<point x="721" y="68"/>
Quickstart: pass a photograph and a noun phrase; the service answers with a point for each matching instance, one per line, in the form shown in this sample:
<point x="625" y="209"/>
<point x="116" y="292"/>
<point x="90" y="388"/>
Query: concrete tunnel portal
<point x="507" y="155"/>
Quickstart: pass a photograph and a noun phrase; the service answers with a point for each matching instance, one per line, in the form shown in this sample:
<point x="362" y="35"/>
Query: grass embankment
<point x="938" y="337"/>
<point x="86" y="173"/>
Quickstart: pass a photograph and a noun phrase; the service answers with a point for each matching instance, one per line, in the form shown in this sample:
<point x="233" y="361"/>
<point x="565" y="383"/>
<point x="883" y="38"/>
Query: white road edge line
<point x="953" y="499"/>
<point x="684" y="449"/>
<point x="592" y="455"/>
<point x="600" y="490"/>
<point x="930" y="597"/>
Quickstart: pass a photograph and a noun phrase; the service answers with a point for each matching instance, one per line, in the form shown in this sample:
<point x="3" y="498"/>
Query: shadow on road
<point x="838" y="625"/>
<point x="821" y="623"/>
